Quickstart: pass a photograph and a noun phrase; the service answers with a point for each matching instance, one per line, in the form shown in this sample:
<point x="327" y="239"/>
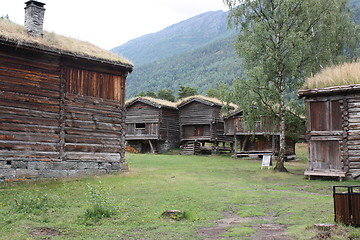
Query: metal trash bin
<point x="347" y="205"/>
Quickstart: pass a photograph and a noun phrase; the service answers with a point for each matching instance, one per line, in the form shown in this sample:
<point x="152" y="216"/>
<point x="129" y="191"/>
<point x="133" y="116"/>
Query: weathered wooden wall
<point x="237" y="125"/>
<point x="263" y="144"/>
<point x="29" y="107"/>
<point x="146" y="114"/>
<point x="325" y="134"/>
<point x="140" y="112"/>
<point x="201" y="121"/>
<point x="58" y="119"/>
<point x="350" y="144"/>
<point x="198" y="113"/>
<point x="263" y="137"/>
<point x="196" y="132"/>
<point x="93" y="129"/>
<point x="161" y="124"/>
<point x="169" y="127"/>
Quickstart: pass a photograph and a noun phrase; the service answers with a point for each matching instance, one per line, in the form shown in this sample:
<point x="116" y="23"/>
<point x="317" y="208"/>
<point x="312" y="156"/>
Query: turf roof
<point x="345" y="74"/>
<point x="152" y="101"/>
<point x="14" y="33"/>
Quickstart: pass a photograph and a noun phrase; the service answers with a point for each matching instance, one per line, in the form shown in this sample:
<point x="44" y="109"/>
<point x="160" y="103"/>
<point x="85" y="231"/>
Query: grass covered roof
<point x="345" y="74"/>
<point x="152" y="101"/>
<point x="11" y="32"/>
<point x="204" y="99"/>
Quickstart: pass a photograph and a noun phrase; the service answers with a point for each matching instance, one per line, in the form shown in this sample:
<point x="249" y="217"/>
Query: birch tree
<point x="281" y="42"/>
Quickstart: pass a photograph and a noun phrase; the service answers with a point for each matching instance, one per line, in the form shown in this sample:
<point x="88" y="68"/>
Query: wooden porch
<point x="325" y="173"/>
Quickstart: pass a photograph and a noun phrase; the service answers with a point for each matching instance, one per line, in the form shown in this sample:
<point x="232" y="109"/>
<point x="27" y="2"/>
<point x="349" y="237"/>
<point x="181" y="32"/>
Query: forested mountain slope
<point x="175" y="39"/>
<point x="201" y="69"/>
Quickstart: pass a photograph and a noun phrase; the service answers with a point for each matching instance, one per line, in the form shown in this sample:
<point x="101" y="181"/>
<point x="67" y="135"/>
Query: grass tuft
<point x="345" y="74"/>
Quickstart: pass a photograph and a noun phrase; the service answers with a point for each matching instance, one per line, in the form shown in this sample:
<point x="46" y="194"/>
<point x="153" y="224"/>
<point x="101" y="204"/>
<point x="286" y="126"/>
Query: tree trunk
<point x="281" y="157"/>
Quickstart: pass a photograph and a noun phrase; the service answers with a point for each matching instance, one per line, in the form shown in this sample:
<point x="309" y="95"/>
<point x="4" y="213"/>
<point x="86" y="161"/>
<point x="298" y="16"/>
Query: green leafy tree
<point x="212" y="92"/>
<point x="166" y="94"/>
<point x="185" y="91"/>
<point x="146" y="94"/>
<point x="281" y="43"/>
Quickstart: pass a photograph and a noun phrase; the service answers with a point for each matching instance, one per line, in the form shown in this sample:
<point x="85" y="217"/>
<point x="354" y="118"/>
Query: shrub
<point x="99" y="204"/>
<point x="31" y="202"/>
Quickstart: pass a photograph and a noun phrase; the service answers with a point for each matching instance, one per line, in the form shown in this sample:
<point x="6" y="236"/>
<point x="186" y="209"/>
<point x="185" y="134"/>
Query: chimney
<point x="34" y="18"/>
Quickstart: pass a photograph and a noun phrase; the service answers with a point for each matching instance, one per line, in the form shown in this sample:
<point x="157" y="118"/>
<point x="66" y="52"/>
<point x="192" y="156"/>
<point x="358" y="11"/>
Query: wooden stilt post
<point x="152" y="147"/>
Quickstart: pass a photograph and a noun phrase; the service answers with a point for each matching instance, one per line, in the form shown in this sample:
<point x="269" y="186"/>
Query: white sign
<point x="266" y="161"/>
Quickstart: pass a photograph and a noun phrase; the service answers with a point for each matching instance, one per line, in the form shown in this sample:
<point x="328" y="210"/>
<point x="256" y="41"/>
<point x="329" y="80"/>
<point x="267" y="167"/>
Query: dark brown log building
<point x="61" y="103"/>
<point x="333" y="131"/>
<point x="152" y="125"/>
<point x="202" y="125"/>
<point x="261" y="139"/>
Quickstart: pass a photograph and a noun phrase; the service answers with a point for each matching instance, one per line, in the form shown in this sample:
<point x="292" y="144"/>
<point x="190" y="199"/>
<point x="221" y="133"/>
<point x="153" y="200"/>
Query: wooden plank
<point x="26" y="98"/>
<point x="325" y="173"/>
<point x="9" y="118"/>
<point x="91" y="125"/>
<point x="87" y="147"/>
<point x="91" y="139"/>
<point x="27" y="112"/>
<point x="98" y="157"/>
<point x="29" y="80"/>
<point x="91" y="117"/>
<point x="28" y="90"/>
<point x="29" y="136"/>
<point x="26" y="145"/>
<point x="26" y="127"/>
<point x="98" y="133"/>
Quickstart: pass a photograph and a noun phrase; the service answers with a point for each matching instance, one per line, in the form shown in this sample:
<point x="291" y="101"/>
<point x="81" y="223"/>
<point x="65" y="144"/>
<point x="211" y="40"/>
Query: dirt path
<point x="266" y="231"/>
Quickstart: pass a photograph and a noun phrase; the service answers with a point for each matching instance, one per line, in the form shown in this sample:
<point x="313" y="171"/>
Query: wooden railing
<point x="238" y="125"/>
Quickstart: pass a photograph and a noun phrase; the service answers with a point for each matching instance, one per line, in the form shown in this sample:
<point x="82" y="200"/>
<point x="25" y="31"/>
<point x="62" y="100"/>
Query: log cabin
<point x="202" y="125"/>
<point x="152" y="125"/>
<point x="61" y="103"/>
<point x="261" y="139"/>
<point x="333" y="126"/>
<point x="332" y="99"/>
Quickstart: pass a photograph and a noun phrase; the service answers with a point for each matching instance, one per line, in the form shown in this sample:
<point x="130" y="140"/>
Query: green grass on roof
<point x="13" y="32"/>
<point x="345" y="74"/>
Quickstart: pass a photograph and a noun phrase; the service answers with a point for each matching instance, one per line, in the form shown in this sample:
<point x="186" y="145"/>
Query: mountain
<point x="355" y="5"/>
<point x="175" y="39"/>
<point x="196" y="52"/>
<point x="201" y="69"/>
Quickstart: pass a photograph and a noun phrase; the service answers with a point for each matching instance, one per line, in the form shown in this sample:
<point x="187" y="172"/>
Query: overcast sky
<point x="110" y="23"/>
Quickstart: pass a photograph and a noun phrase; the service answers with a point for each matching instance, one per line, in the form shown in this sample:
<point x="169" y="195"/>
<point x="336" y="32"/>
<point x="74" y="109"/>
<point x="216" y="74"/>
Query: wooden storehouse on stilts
<point x="202" y="125"/>
<point x="152" y="125"/>
<point x="61" y="103"/>
<point x="333" y="128"/>
<point x="261" y="139"/>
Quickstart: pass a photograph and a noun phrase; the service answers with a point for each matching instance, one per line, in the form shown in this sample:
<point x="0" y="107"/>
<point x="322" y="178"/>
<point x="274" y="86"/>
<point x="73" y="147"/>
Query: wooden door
<point x="260" y="144"/>
<point x="199" y="131"/>
<point x="325" y="155"/>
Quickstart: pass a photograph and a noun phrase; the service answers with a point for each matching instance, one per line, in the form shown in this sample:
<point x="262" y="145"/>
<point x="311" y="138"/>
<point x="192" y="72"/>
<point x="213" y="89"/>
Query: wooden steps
<point x="191" y="148"/>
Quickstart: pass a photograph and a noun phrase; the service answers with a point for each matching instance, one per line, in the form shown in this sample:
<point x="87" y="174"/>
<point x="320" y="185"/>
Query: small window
<point x="140" y="125"/>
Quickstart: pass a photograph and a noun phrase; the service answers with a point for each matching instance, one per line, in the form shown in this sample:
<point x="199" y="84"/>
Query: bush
<point x="99" y="204"/>
<point x="31" y="202"/>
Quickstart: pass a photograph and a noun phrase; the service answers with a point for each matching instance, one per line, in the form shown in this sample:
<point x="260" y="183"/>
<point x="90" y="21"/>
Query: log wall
<point x="197" y="113"/>
<point x="169" y="127"/>
<point x="161" y="124"/>
<point x="48" y="130"/>
<point x="29" y="107"/>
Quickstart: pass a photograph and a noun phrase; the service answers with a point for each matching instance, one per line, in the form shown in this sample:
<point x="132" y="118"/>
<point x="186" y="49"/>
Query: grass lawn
<point x="129" y="205"/>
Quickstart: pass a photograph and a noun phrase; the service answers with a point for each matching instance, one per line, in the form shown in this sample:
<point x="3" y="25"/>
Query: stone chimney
<point x="34" y="18"/>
